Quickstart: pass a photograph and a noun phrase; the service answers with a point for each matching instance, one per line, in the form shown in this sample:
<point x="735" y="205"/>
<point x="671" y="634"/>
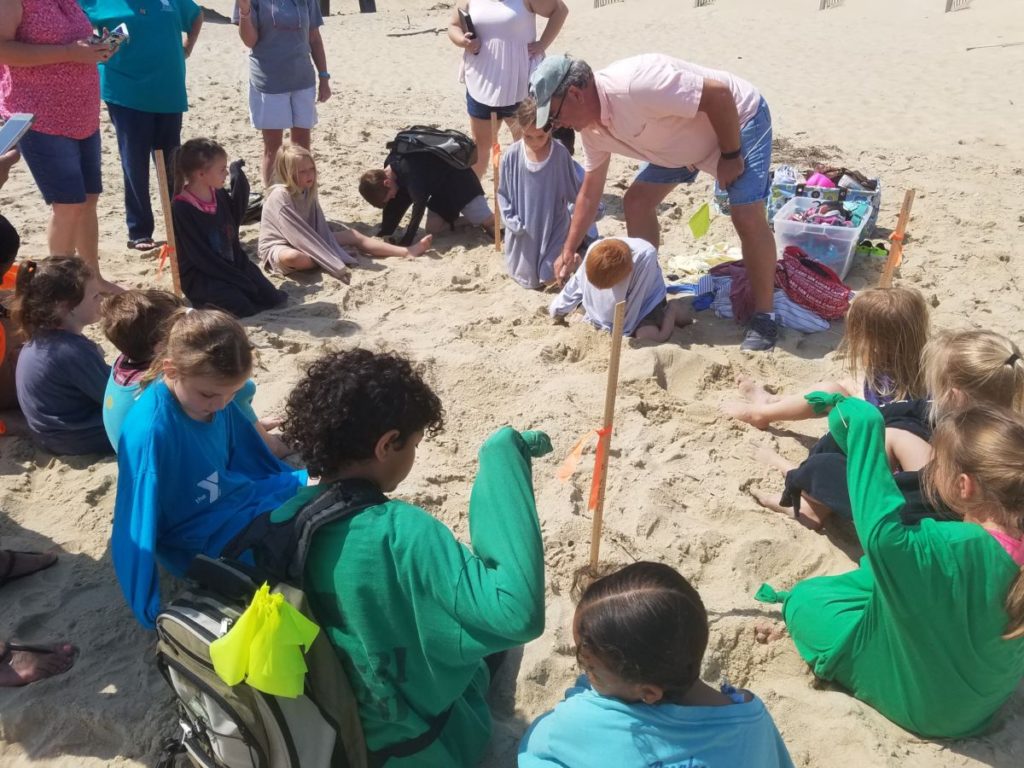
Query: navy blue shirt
<point x="61" y="378"/>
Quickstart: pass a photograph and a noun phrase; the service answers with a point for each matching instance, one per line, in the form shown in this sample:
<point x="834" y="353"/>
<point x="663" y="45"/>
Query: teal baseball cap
<point x="545" y="80"/>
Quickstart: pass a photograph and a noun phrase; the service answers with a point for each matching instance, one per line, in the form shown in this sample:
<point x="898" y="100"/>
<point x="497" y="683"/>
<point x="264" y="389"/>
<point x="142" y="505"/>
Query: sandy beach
<point x="890" y="88"/>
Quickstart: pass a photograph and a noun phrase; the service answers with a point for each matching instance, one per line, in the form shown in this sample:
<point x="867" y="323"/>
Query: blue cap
<point x="544" y="81"/>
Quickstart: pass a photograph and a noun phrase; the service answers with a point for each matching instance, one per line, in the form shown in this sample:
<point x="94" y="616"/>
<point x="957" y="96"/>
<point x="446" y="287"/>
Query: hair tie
<point x="1012" y="359"/>
<point x="30" y="269"/>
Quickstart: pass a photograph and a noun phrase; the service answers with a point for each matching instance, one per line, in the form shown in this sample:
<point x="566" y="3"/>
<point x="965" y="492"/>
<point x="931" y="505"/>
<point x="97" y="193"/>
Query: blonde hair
<point x="526" y="113"/>
<point x="286" y="168"/>
<point x="981" y="366"/>
<point x="203" y="342"/>
<point x="985" y="443"/>
<point x="608" y="263"/>
<point x="886" y="332"/>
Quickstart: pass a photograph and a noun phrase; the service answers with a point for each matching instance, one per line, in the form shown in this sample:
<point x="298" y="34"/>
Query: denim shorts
<point x="483" y="112"/>
<point x="65" y="170"/>
<point x="753" y="184"/>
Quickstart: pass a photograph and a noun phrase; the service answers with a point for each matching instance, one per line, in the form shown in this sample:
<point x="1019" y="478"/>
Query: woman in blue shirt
<point x="144" y="88"/>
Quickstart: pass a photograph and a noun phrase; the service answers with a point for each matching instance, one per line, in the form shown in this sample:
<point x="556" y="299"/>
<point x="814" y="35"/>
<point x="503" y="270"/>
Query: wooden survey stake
<point x="896" y="239"/>
<point x="604" y="440"/>
<point x="165" y="203"/>
<point x="496" y="169"/>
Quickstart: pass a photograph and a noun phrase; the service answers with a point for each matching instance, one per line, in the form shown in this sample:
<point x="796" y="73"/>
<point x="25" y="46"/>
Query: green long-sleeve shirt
<point x="413" y="612"/>
<point x="916" y="631"/>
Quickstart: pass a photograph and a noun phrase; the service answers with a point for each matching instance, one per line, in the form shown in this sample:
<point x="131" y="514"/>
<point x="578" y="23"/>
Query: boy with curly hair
<point x="413" y="613"/>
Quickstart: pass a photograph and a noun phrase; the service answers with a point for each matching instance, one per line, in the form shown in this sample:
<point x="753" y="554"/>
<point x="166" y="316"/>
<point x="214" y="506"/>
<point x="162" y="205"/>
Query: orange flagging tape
<point x="603" y="437"/>
<point x="165" y="251"/>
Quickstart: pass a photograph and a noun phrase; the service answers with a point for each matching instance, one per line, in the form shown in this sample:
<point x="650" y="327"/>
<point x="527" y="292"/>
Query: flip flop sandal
<point x="142" y="244"/>
<point x="42" y="650"/>
<point x="12" y="560"/>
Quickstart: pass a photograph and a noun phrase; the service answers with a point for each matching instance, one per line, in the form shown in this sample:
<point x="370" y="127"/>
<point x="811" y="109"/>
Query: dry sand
<point x="884" y="86"/>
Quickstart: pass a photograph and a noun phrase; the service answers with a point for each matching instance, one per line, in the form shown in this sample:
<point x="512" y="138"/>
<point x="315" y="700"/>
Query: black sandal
<point x="142" y="244"/>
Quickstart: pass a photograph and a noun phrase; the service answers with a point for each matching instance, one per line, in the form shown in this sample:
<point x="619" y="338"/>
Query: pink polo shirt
<point x="649" y="112"/>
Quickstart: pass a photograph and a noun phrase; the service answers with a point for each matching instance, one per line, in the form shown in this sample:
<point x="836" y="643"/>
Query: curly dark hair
<point x="43" y="287"/>
<point x="347" y="400"/>
<point x="647" y="624"/>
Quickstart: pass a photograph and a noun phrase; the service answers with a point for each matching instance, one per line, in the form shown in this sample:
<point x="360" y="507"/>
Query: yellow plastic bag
<point x="266" y="646"/>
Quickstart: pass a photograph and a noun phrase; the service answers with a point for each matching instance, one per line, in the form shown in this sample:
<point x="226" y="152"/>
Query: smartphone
<point x="14" y="129"/>
<point x="467" y="22"/>
<point x="117" y="36"/>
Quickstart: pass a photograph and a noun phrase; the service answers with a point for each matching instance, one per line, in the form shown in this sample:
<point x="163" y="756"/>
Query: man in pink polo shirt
<point x="680" y="119"/>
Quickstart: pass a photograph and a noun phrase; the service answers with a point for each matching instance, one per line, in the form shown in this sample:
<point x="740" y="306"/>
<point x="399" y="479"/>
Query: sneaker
<point x="761" y="333"/>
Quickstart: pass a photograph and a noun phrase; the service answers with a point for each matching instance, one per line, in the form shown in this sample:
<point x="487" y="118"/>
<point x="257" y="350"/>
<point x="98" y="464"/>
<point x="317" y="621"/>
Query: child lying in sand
<point x="640" y="636"/>
<point x="423" y="663"/>
<point x="294" y="234"/>
<point x="623" y="269"/>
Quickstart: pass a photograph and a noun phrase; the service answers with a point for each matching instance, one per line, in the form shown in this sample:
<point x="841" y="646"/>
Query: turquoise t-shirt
<point x="148" y="71"/>
<point x="119" y="399"/>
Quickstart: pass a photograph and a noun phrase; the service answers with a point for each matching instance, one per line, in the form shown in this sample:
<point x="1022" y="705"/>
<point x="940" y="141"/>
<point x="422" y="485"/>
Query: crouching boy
<point x="623" y="269"/>
<point x="413" y="613"/>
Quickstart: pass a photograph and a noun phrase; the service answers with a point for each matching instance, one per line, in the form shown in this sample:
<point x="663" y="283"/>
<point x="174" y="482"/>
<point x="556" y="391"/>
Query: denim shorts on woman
<point x="483" y="112"/>
<point x="753" y="184"/>
<point x="65" y="170"/>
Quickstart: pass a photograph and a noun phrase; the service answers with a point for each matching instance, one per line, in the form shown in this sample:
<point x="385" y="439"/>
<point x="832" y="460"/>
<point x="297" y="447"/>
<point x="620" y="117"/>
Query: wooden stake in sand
<point x="896" y="238"/>
<point x="496" y="169"/>
<point x="168" y="250"/>
<point x="604" y="439"/>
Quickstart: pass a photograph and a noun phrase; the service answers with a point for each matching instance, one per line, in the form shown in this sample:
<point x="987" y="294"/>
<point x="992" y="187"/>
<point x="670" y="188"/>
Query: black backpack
<point x="454" y="147"/>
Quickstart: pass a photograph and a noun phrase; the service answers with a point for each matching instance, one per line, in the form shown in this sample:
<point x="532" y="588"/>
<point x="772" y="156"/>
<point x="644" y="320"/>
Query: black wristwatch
<point x="732" y="155"/>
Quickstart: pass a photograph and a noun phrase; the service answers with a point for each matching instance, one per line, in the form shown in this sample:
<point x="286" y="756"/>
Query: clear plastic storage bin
<point x="832" y="246"/>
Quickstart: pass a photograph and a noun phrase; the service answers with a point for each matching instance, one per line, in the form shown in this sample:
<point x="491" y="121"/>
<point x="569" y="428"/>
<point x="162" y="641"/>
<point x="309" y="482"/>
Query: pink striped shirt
<point x="64" y="97"/>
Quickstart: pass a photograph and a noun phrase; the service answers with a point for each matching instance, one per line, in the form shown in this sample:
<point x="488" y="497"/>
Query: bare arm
<point x="316" y="50"/>
<point x="555" y="11"/>
<point x="457" y="34"/>
<point x="246" y="25"/>
<point x="716" y="101"/>
<point x="587" y="202"/>
<point x="193" y="34"/>
<point x="16" y="54"/>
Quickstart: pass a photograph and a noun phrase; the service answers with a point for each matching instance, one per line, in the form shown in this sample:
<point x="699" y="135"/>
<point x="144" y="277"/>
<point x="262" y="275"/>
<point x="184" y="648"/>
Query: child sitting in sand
<point x="623" y="269"/>
<point x="61" y="375"/>
<point x="215" y="271"/>
<point x="960" y="368"/>
<point x="136" y="322"/>
<point x="537" y="185"/>
<point x="192" y="470"/>
<point x="886" y="330"/>
<point x="425" y="182"/>
<point x="420" y="668"/>
<point x="930" y="629"/>
<point x="640" y="636"/>
<point x="294" y="234"/>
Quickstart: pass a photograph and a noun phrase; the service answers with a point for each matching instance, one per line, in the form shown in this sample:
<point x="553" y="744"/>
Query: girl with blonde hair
<point x="930" y="629"/>
<point x="294" y="233"/>
<point x="961" y="368"/>
<point x="886" y="331"/>
<point x="192" y="470"/>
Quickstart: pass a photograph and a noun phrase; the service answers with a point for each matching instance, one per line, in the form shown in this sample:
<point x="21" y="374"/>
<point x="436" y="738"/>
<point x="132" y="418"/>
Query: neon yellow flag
<point x="265" y="647"/>
<point x="700" y="222"/>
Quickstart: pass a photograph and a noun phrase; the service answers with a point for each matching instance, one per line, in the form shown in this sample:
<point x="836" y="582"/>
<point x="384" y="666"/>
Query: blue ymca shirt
<point x="148" y="71"/>
<point x="184" y="488"/>
<point x="590" y="729"/>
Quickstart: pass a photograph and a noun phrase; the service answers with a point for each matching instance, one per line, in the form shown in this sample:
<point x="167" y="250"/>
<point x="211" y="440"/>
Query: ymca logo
<point x="212" y="488"/>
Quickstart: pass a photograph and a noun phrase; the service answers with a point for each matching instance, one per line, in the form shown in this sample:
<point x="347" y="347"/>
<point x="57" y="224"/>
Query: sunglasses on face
<point x="553" y="118"/>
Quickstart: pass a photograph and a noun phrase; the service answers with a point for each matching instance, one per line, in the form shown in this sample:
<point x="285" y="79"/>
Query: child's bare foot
<point x="769" y="631"/>
<point x="418" y="249"/>
<point x="109" y="288"/>
<point x="753" y="391"/>
<point x="806" y="518"/>
<point x="762" y="454"/>
<point x="747" y="412"/>
<point x="24" y="664"/>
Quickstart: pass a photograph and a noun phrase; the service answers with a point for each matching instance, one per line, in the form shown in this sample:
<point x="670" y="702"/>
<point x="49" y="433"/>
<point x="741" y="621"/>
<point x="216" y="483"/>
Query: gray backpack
<point x="238" y="726"/>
